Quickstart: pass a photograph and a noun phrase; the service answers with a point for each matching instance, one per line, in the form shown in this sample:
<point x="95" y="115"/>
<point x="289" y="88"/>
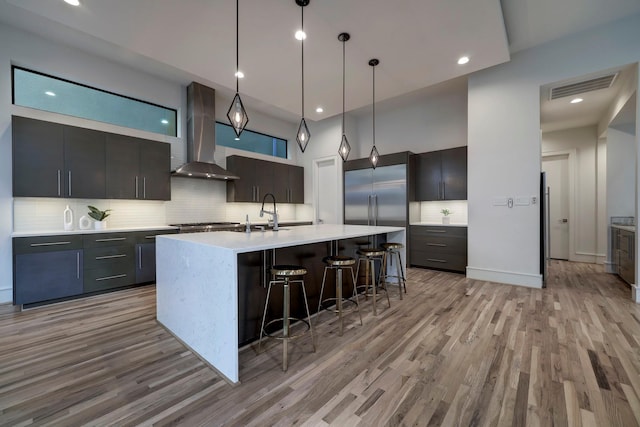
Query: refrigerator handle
<point x="369" y="209"/>
<point x="375" y="211"/>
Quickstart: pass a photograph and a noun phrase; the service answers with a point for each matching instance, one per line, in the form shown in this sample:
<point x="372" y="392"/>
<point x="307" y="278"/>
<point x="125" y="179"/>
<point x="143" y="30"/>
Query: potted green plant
<point x="446" y="212"/>
<point x="99" y="217"/>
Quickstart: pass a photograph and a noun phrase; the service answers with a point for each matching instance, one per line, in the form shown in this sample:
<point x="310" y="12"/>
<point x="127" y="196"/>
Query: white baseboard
<point x="635" y="293"/>
<point x="507" y="277"/>
<point x="602" y="259"/>
<point x="6" y="295"/>
<point x="610" y="267"/>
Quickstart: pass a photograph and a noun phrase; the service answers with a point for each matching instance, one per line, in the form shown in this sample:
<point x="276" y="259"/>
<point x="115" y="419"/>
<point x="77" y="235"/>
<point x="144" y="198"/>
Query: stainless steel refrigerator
<point x="376" y="196"/>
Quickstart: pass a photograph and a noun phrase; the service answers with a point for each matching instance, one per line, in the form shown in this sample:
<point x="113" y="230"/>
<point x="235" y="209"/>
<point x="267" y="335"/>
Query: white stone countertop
<point x="625" y="227"/>
<point x="432" y="224"/>
<point x="293" y="236"/>
<point x="89" y="231"/>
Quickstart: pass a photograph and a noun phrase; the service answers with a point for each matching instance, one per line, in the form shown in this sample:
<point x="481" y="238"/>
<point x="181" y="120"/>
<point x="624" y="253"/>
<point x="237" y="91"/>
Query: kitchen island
<point x="198" y="281"/>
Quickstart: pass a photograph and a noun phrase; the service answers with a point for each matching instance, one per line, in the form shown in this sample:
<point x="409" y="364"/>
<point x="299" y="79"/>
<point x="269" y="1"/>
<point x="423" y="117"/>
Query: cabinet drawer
<point x="440" y="244"/>
<point x="109" y="276"/>
<point x="95" y="257"/>
<point x="107" y="239"/>
<point x="437" y="231"/>
<point x="150" y="236"/>
<point x="26" y="245"/>
<point x="455" y="262"/>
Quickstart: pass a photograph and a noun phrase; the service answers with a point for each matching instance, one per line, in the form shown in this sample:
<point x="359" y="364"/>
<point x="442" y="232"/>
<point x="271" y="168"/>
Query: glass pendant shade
<point x="344" y="148"/>
<point x="374" y="156"/>
<point x="237" y="115"/>
<point x="303" y="135"/>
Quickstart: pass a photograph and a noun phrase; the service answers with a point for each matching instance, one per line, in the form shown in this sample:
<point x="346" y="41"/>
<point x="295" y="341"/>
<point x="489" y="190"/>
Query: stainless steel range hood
<point x="201" y="136"/>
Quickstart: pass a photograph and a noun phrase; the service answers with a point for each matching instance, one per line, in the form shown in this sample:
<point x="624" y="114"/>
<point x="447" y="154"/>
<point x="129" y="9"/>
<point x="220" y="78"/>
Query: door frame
<point x="571" y="153"/>
<point x="338" y="189"/>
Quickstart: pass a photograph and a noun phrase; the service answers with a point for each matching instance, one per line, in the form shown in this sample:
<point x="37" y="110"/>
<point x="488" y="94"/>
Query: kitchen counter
<point x="89" y="231"/>
<point x="197" y="282"/>
<point x="631" y="228"/>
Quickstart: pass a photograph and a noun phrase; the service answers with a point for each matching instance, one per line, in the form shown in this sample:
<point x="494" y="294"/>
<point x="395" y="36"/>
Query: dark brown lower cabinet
<point x="439" y="247"/>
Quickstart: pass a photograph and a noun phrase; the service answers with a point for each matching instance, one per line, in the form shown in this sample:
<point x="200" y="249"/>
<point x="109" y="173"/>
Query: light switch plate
<point x="522" y="201"/>
<point x="499" y="201"/>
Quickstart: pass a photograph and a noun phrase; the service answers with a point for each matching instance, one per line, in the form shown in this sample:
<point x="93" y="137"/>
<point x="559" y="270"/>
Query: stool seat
<point x="336" y="260"/>
<point x="369" y="252"/>
<point x="288" y="270"/>
<point x="392" y="245"/>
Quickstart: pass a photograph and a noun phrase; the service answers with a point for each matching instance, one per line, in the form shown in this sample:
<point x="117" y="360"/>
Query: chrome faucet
<point x="273" y="213"/>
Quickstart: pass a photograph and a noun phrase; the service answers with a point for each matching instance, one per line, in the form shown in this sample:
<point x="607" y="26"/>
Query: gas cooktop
<point x="196" y="227"/>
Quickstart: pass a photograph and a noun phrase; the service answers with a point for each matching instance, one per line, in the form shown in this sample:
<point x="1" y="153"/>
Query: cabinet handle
<point x="139" y="258"/>
<point x="443" y="191"/>
<point x="112" y="239"/>
<point x="258" y="193"/>
<point x="136" y="187"/>
<point x="149" y="237"/>
<point x="59" y="179"/>
<point x="111" y="256"/>
<point x="34" y="245"/>
<point x="436" y="231"/>
<point x="77" y="265"/>
<point x="437" y="260"/>
<point x="144" y="187"/>
<point x="118" y="276"/>
<point x="69" y="182"/>
<point x="436" y="244"/>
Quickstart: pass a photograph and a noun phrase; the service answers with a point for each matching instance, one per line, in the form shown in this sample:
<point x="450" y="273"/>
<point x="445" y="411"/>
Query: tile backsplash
<point x="430" y="211"/>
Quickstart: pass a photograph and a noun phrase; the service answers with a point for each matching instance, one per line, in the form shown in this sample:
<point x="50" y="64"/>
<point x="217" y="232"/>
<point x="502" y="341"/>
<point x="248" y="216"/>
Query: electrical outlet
<point x="534" y="200"/>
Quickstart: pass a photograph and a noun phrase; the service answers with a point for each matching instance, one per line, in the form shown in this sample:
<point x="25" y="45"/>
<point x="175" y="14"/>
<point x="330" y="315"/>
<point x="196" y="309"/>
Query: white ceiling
<point x="417" y="41"/>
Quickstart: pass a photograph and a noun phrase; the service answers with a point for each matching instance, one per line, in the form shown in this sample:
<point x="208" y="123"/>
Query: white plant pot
<point x="100" y="225"/>
<point x="446" y="220"/>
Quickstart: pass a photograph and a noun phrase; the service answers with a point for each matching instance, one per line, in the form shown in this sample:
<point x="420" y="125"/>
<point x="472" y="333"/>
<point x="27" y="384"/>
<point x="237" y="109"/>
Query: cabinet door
<point x="243" y="189"/>
<point x="155" y="171"/>
<point x="123" y="160"/>
<point x="47" y="275"/>
<point x="428" y="176"/>
<point x="38" y="159"/>
<point x="145" y="262"/>
<point x="279" y="183"/>
<point x="296" y="184"/>
<point x="85" y="163"/>
<point x="454" y="174"/>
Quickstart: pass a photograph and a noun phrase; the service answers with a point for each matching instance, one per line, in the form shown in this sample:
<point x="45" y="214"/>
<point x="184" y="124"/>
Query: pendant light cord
<point x="343" y="71"/>
<point x="237" y="45"/>
<point x="374" y="105"/>
<point x="302" y="44"/>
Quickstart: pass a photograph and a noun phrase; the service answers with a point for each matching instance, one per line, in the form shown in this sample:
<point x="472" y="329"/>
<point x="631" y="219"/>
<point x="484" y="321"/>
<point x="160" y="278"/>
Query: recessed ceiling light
<point x="301" y="35"/>
<point x="319" y="110"/>
<point x="576" y="100"/>
<point x="49" y="93"/>
<point x="463" y="60"/>
<point x="73" y="2"/>
<point x="164" y="121"/>
<point x="240" y="74"/>
<point x="237" y="138"/>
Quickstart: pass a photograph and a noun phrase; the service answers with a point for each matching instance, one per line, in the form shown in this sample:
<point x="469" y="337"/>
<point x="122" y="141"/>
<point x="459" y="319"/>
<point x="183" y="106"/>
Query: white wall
<point x="583" y="142"/>
<point x="621" y="173"/>
<point x="504" y="144"/>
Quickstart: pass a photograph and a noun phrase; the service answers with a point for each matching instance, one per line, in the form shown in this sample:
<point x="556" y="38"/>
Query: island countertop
<point x="197" y="282"/>
<point x="260" y="240"/>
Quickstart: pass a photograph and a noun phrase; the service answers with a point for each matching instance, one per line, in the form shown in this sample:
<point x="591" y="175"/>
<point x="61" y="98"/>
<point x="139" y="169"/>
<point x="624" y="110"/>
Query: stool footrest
<point x="281" y="320"/>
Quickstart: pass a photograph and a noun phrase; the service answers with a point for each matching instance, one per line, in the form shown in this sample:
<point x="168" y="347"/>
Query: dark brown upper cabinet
<point x="259" y="177"/>
<point x="442" y="175"/>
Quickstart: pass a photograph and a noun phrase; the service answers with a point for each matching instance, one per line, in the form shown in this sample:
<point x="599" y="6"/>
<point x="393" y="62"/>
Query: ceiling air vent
<point x="572" y="89"/>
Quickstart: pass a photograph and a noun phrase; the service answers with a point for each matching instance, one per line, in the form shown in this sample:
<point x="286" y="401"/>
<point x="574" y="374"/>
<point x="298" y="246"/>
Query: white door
<point x="327" y="193"/>
<point x="557" y="169"/>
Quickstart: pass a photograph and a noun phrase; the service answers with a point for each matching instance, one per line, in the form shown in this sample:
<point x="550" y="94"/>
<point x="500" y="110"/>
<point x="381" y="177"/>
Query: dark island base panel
<point x="84" y="295"/>
<point x="252" y="295"/>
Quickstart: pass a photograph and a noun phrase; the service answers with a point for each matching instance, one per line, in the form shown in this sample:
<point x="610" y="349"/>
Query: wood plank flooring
<point x="453" y="352"/>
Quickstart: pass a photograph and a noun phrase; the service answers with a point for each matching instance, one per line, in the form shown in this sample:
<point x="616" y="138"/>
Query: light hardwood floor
<point x="454" y="352"/>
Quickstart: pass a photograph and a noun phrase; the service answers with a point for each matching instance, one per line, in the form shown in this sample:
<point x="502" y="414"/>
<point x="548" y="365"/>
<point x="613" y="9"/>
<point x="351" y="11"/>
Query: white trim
<point x="507" y="277"/>
<point x="635" y="293"/>
<point x="571" y="154"/>
<point x="6" y="295"/>
<point x="316" y="188"/>
<point x="610" y="267"/>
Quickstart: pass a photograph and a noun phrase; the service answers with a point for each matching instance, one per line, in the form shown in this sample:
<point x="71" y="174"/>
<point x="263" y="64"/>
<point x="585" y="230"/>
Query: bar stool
<point x="391" y="251"/>
<point x="282" y="275"/>
<point x="370" y="255"/>
<point x="339" y="263"/>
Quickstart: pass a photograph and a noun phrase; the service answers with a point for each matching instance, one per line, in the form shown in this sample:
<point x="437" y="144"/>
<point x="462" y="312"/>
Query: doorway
<point x="556" y="168"/>
<point x="327" y="182"/>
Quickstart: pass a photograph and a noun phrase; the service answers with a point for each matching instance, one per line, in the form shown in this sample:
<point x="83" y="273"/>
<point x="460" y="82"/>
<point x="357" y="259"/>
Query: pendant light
<point x="374" y="156"/>
<point x="303" y="131"/>
<point x="237" y="115"/>
<point x="344" y="148"/>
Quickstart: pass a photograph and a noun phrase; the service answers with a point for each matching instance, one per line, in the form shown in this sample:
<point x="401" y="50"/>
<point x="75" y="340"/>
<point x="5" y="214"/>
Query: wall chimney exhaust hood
<point x="201" y="136"/>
